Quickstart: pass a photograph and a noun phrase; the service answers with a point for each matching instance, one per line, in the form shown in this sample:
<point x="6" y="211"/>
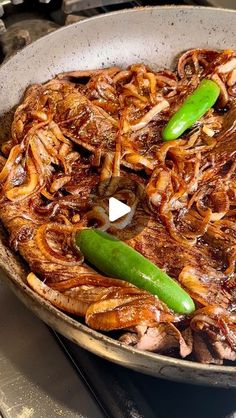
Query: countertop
<point x="36" y="378"/>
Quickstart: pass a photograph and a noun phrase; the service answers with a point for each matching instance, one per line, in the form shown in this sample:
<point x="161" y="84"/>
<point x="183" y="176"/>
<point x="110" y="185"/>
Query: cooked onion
<point x="64" y="302"/>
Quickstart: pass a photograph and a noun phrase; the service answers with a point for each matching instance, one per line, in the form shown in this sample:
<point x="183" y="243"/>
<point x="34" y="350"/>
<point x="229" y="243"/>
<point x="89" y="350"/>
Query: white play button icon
<point x="117" y="209"/>
<point x="121" y="207"/>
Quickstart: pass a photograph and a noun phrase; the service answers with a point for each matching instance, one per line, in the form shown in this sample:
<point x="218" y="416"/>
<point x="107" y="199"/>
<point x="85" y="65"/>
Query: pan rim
<point x="138" y="9"/>
<point x="169" y="361"/>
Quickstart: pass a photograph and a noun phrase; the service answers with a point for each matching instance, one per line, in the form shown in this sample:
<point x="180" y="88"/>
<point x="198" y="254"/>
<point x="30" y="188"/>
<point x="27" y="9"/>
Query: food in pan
<point x="173" y="133"/>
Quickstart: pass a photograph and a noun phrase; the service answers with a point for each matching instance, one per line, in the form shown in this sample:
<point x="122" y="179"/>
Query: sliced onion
<point x="121" y="313"/>
<point x="229" y="66"/>
<point x="164" y="104"/>
<point x="14" y="154"/>
<point x="48" y="251"/>
<point x="61" y="301"/>
<point x="224" y="97"/>
<point x="21" y="192"/>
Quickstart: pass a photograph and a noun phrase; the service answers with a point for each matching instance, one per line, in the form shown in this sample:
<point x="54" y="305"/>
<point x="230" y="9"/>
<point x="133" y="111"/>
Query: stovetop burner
<point x="123" y="393"/>
<point x="24" y="32"/>
<point x="24" y="21"/>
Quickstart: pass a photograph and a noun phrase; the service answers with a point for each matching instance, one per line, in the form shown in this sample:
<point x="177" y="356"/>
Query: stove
<point x="42" y="374"/>
<point x="23" y="21"/>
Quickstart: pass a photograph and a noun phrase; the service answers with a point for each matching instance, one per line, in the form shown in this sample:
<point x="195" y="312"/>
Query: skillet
<point x="155" y="36"/>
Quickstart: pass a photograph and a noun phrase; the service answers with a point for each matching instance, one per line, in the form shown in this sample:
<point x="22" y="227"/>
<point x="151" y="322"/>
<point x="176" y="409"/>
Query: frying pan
<point x="155" y="36"/>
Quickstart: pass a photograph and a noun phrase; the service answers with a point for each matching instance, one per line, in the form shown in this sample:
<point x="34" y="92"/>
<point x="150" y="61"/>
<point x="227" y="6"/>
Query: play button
<point x="119" y="206"/>
<point x="117" y="209"/>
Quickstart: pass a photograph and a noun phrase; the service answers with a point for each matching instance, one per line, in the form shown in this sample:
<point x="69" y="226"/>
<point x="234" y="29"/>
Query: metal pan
<point x="155" y="36"/>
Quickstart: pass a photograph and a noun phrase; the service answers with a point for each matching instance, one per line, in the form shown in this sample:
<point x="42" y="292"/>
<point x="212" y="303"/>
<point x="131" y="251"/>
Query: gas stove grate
<point x="124" y="393"/>
<point x="72" y="6"/>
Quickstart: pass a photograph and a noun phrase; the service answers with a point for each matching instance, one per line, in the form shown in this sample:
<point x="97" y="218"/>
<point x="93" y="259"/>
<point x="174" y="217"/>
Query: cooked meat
<point x="71" y="138"/>
<point x="224" y="351"/>
<point x="129" y="338"/>
<point x="202" y="352"/>
<point x="163" y="338"/>
<point x="214" y="335"/>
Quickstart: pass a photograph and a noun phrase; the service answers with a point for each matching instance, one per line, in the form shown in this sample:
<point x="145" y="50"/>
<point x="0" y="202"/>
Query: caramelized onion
<point x="47" y="250"/>
<point x="150" y="115"/>
<point x="14" y="154"/>
<point x="21" y="192"/>
<point x="63" y="302"/>
<point x="123" y="313"/>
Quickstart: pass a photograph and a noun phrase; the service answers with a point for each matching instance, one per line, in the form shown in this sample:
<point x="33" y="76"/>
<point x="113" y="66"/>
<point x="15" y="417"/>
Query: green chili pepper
<point x="116" y="259"/>
<point x="193" y="108"/>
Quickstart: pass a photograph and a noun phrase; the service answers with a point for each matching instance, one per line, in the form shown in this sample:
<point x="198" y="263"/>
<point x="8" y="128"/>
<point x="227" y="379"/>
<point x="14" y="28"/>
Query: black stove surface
<point x="123" y="393"/>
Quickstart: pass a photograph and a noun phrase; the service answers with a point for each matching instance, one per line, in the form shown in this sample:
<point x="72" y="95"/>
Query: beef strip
<point x="163" y="338"/>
